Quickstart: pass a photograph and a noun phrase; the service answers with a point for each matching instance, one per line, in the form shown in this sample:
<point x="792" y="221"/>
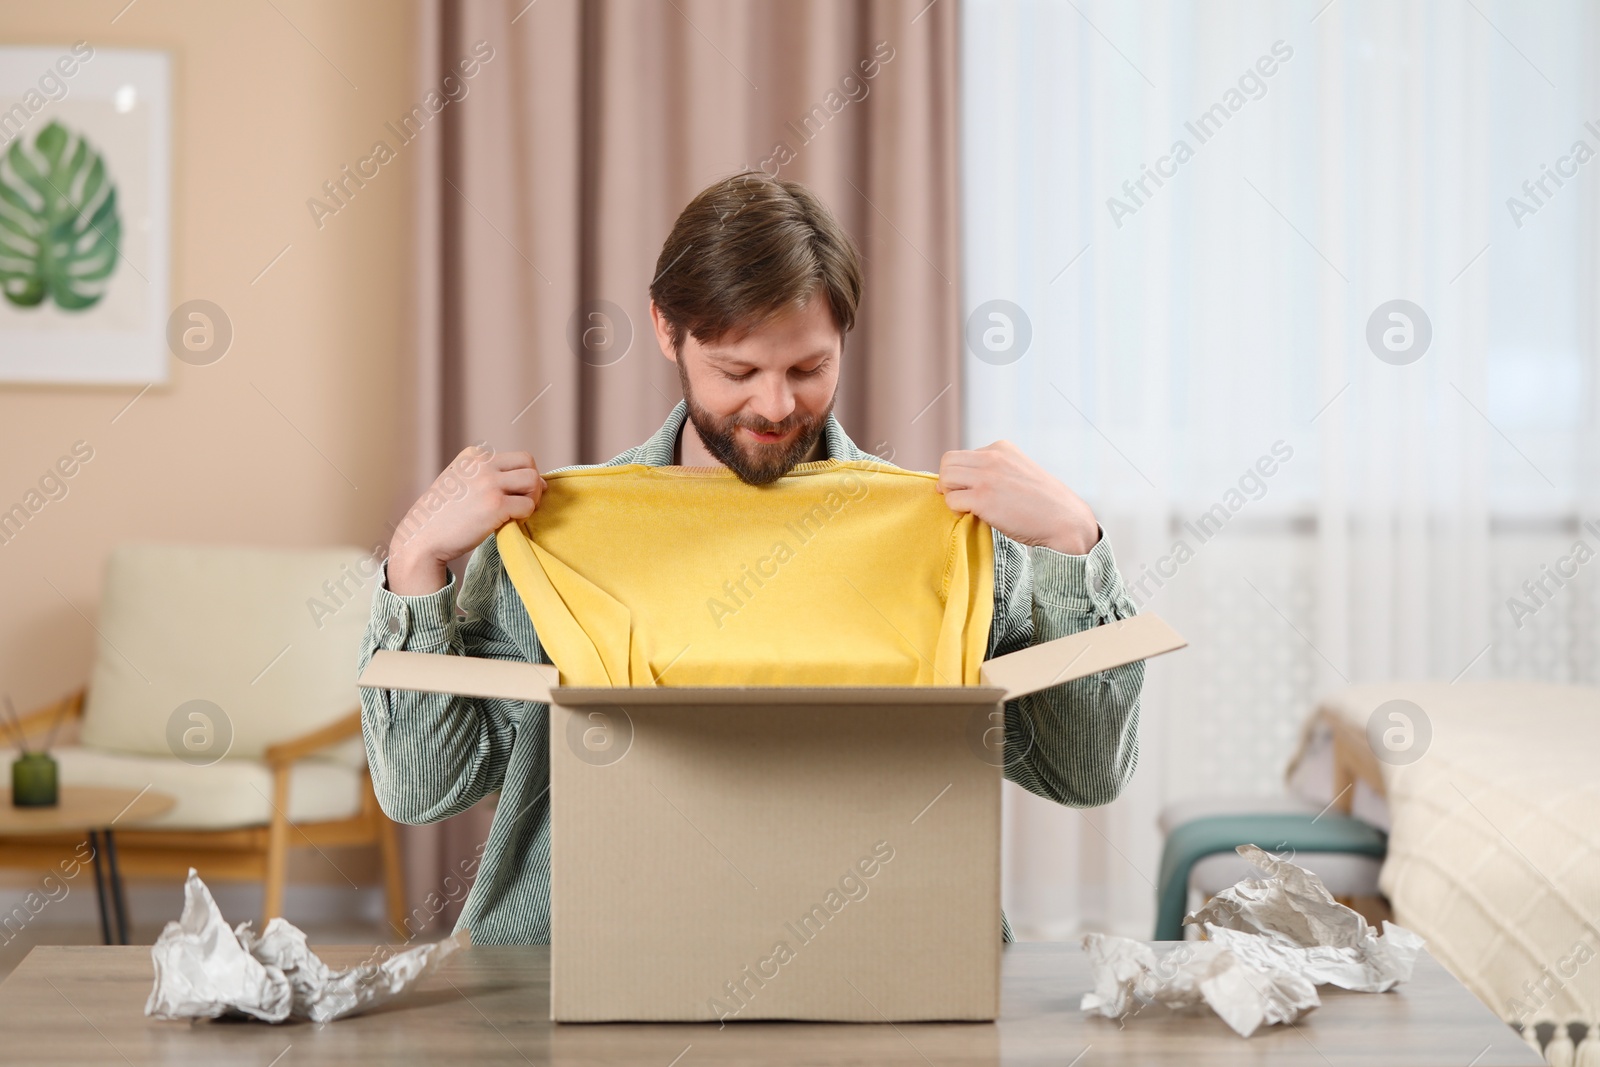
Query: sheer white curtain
<point x="1200" y="210"/>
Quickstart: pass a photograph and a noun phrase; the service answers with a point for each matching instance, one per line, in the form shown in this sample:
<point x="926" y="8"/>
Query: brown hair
<point x="748" y="248"/>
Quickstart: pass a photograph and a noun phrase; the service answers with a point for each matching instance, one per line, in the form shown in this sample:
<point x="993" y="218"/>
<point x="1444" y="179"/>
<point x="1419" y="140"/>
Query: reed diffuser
<point x="33" y="774"/>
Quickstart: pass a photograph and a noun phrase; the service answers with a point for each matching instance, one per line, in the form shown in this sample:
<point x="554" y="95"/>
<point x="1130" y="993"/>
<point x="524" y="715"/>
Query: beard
<point x="767" y="462"/>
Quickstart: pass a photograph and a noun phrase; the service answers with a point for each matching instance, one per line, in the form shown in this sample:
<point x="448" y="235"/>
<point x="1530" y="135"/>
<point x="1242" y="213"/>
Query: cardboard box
<point x="766" y="852"/>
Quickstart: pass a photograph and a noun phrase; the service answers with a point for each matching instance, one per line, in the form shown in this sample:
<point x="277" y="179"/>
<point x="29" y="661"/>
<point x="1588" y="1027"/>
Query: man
<point x="756" y="288"/>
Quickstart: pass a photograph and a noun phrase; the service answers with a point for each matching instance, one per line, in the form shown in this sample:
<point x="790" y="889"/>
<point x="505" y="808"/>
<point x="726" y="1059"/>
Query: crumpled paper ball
<point x="204" y="970"/>
<point x="1269" y="943"/>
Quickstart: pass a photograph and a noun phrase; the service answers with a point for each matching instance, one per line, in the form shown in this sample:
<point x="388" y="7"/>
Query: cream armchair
<point x="225" y="677"/>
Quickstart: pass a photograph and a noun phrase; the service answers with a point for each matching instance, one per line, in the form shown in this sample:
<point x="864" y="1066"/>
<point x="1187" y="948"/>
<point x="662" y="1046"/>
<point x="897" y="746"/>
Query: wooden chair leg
<point x="394" y="882"/>
<point x="1373" y="909"/>
<point x="277" y="847"/>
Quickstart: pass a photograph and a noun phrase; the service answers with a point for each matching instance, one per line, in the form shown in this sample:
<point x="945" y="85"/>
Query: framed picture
<point x="85" y="173"/>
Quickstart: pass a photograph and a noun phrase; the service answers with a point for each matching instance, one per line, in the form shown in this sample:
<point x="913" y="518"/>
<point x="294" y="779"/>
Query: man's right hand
<point x="478" y="493"/>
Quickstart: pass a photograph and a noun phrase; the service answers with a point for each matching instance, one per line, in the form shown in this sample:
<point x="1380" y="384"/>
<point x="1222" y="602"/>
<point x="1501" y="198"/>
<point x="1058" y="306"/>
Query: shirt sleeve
<point x="1076" y="743"/>
<point x="434" y="755"/>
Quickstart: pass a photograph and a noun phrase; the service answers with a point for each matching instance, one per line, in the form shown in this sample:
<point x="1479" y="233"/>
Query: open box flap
<point x="1080" y="655"/>
<point x="1016" y="673"/>
<point x="471" y="676"/>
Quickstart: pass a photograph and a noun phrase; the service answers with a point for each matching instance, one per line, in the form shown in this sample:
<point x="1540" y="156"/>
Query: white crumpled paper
<point x="204" y="970"/>
<point x="1270" y="943"/>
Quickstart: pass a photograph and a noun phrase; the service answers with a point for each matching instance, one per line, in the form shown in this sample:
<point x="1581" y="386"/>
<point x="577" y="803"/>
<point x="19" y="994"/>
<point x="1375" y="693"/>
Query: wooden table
<point x="91" y="811"/>
<point x="491" y="1004"/>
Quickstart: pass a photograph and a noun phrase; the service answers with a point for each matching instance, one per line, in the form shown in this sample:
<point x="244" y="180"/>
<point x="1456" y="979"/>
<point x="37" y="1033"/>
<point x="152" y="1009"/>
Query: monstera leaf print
<point x="59" y="226"/>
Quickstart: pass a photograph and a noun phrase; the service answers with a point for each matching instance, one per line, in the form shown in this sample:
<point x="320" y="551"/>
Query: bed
<point x="1491" y="795"/>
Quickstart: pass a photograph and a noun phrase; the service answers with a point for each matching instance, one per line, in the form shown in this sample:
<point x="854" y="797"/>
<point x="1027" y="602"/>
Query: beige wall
<point x="260" y="121"/>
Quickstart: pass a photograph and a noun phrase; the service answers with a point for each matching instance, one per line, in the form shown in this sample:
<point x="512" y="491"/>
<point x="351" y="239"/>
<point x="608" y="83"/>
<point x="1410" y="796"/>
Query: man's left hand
<point x="1012" y="493"/>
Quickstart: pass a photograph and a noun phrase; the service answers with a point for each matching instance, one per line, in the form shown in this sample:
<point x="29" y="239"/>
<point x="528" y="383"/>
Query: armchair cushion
<point x="227" y="795"/>
<point x="270" y="636"/>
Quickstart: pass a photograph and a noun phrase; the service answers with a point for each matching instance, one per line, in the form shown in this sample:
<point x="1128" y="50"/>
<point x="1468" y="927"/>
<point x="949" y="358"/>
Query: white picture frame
<point x="118" y="104"/>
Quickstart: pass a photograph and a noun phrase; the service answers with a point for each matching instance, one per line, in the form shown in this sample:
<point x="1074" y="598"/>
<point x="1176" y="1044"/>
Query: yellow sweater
<point x="839" y="573"/>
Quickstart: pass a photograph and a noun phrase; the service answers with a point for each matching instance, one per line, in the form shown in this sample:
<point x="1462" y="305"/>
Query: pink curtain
<point x="544" y="193"/>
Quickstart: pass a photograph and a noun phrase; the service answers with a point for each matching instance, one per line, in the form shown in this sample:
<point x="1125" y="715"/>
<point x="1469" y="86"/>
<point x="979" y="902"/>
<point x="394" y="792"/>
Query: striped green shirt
<point x="434" y="755"/>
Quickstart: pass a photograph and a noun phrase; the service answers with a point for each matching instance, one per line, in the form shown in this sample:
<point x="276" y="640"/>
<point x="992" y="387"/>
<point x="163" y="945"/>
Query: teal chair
<point x="1201" y="836"/>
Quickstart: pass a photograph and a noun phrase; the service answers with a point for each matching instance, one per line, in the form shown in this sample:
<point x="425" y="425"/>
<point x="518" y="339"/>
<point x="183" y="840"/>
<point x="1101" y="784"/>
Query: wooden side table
<point x="83" y="809"/>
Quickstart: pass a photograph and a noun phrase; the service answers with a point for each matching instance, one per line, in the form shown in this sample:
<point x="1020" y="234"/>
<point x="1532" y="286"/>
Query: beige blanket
<point x="1493" y="793"/>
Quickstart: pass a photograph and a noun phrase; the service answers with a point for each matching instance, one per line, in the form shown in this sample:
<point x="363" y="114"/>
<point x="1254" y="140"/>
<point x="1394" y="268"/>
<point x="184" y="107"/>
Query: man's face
<point x="761" y="400"/>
